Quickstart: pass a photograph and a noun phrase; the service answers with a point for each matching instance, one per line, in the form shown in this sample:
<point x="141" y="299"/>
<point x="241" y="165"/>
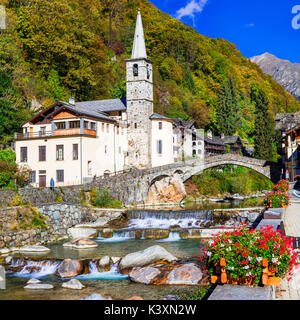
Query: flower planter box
<point x="268" y="278"/>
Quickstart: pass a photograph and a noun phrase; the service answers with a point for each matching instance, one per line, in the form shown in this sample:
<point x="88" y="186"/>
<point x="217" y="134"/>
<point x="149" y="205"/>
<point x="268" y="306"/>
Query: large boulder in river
<point x="146" y="257"/>
<point x="82" y="233"/>
<point x="143" y="275"/>
<point x="188" y="274"/>
<point x="69" y="268"/>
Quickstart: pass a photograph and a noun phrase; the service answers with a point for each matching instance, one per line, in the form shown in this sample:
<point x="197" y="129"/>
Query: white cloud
<point x="250" y="25"/>
<point x="192" y="7"/>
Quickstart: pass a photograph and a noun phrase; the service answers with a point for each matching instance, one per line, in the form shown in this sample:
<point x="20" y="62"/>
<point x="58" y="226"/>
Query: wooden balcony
<point x="56" y="133"/>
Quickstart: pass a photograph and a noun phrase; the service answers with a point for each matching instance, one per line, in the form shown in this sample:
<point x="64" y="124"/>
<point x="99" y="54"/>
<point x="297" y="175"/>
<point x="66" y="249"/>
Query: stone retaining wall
<point x="61" y="217"/>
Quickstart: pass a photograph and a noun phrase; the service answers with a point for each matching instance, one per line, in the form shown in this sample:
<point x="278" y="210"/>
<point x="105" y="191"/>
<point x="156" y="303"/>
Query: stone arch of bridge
<point x="198" y="170"/>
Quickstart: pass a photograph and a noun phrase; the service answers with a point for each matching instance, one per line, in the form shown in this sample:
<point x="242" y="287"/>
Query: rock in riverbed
<point x="95" y="296"/>
<point x="73" y="284"/>
<point x="33" y="281"/>
<point x="146" y="257"/>
<point x="34" y="249"/>
<point x="188" y="274"/>
<point x="143" y="275"/>
<point x="82" y="233"/>
<point x="39" y="286"/>
<point x="81" y="244"/>
<point x="69" y="268"/>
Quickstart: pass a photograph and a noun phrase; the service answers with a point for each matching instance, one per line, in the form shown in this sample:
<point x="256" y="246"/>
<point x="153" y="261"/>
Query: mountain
<point x="287" y="74"/>
<point x="51" y="47"/>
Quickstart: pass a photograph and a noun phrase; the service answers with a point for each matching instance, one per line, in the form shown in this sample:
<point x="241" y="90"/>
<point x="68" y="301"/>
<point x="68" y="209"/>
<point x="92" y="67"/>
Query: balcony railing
<point x="56" y="133"/>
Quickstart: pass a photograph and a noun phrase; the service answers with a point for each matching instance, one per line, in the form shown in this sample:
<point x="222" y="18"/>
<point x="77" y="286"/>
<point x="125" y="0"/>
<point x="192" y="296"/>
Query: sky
<point x="255" y="26"/>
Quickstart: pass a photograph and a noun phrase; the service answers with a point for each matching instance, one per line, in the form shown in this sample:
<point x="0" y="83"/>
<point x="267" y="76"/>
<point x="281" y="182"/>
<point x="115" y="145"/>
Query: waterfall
<point x="94" y="274"/>
<point x="118" y="236"/>
<point x="173" y="236"/>
<point x="38" y="269"/>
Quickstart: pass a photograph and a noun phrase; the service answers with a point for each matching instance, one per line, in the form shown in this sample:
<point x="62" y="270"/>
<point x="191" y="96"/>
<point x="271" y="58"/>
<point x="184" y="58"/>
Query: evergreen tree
<point x="227" y="109"/>
<point x="264" y="127"/>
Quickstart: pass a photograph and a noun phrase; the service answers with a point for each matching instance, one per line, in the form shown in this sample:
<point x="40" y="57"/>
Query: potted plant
<point x="250" y="257"/>
<point x="277" y="199"/>
<point x="282" y="185"/>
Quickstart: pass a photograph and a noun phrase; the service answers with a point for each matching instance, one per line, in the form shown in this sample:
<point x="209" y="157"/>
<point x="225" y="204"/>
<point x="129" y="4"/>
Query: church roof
<point x="101" y="105"/>
<point x="139" y="47"/>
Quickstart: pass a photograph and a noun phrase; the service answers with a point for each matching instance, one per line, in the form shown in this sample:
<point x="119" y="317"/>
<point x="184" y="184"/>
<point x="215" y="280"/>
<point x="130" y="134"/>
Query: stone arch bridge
<point x="136" y="186"/>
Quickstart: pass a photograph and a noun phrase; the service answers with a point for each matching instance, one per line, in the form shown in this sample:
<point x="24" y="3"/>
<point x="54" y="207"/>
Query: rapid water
<point x="173" y="237"/>
<point x="166" y="219"/>
<point x="37" y="269"/>
<point x="94" y="274"/>
<point x="118" y="236"/>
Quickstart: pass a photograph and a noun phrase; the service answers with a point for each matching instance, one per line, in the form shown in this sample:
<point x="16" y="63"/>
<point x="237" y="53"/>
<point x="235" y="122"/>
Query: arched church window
<point x="135" y="70"/>
<point x="148" y="71"/>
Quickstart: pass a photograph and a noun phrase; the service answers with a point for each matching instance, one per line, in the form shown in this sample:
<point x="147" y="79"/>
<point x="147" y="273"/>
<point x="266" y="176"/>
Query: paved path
<point x="290" y="290"/>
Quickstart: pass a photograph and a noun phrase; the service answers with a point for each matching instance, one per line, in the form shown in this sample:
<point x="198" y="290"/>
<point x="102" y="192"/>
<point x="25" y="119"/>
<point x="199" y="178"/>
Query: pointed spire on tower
<point x="139" y="47"/>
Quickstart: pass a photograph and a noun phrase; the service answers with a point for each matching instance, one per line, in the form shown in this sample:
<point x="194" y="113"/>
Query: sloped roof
<point x="102" y="105"/>
<point x="231" y="139"/>
<point x="159" y="116"/>
<point x="214" y="140"/>
<point x="97" y="108"/>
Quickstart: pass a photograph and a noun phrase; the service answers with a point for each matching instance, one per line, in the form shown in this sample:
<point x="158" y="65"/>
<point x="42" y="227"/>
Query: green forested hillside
<point x="53" y="46"/>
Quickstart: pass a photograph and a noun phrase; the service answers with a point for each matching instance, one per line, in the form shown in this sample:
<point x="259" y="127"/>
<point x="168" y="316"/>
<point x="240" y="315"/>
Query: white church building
<point x="72" y="142"/>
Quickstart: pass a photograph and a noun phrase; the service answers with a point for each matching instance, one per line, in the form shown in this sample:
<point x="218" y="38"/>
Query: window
<point x="120" y="150"/>
<point x="59" y="175"/>
<point x="160" y="125"/>
<point x="122" y="131"/>
<point x="32" y="177"/>
<point x="135" y="70"/>
<point x="23" y="154"/>
<point x="159" y="146"/>
<point x="135" y="126"/>
<point x="89" y="167"/>
<point x="93" y="126"/>
<point x="107" y="127"/>
<point x="42" y="131"/>
<point x="75" y="151"/>
<point x="148" y="71"/>
<point x="42" y="153"/>
<point x="59" y="152"/>
<point x="86" y="124"/>
<point x="60" y="125"/>
<point x="118" y="130"/>
<point x="105" y="149"/>
<point x="102" y="127"/>
<point x="74" y="124"/>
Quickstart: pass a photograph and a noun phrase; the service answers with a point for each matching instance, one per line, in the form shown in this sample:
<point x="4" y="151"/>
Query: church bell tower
<point x="139" y="95"/>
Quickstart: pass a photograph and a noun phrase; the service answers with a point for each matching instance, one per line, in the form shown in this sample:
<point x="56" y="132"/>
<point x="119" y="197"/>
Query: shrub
<point x="16" y="201"/>
<point x="58" y="198"/>
<point x="83" y="197"/>
<point x="245" y="249"/>
<point x="104" y="199"/>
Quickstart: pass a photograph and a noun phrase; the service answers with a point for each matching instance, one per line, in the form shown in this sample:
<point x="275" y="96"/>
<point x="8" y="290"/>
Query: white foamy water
<point x="163" y="223"/>
<point x="112" y="274"/>
<point x="118" y="236"/>
<point x="38" y="269"/>
<point x="173" y="236"/>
